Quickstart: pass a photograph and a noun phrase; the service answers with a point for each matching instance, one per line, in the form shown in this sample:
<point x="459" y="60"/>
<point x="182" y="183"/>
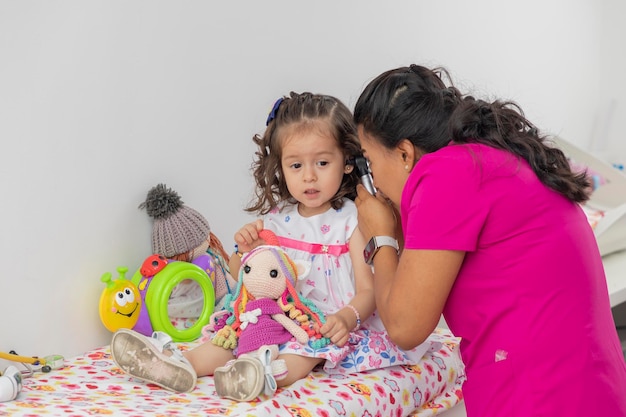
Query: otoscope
<point x="363" y="168"/>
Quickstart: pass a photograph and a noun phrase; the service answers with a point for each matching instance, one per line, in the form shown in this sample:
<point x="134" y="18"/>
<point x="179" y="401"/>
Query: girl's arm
<point x="363" y="300"/>
<point x="246" y="238"/>
<point x="234" y="264"/>
<point x="339" y="325"/>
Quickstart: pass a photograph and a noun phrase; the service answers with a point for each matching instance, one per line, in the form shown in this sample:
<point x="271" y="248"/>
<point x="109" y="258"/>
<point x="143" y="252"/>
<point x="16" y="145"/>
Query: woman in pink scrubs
<point x="493" y="237"/>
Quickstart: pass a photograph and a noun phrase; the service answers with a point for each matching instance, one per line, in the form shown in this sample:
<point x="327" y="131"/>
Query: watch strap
<point x="387" y="241"/>
<point x="375" y="243"/>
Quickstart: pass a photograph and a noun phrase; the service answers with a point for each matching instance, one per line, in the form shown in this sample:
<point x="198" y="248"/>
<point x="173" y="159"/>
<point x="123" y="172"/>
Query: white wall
<point x="101" y="100"/>
<point x="608" y="139"/>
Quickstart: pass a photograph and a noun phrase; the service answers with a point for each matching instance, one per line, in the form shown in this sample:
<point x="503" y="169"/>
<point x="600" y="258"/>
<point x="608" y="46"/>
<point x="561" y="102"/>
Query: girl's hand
<point x="247" y="238"/>
<point x="336" y="329"/>
<point x="377" y="216"/>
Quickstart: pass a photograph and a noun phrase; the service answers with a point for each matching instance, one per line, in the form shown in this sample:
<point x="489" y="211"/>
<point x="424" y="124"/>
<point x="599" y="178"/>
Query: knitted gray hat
<point x="177" y="228"/>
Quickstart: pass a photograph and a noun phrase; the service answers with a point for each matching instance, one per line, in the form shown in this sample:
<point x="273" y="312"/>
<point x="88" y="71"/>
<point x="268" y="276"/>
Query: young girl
<point x="305" y="179"/>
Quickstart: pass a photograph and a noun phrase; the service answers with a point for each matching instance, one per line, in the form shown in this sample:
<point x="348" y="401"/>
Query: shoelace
<point x="270" y="382"/>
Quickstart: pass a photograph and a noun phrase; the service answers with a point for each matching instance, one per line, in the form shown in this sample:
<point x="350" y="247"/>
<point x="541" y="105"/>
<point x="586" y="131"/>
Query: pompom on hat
<point x="177" y="228"/>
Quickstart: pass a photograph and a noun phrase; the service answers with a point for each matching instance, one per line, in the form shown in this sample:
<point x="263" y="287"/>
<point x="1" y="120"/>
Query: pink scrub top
<point x="530" y="301"/>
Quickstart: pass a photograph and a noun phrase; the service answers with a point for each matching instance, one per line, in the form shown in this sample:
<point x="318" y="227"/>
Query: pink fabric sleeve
<point x="441" y="204"/>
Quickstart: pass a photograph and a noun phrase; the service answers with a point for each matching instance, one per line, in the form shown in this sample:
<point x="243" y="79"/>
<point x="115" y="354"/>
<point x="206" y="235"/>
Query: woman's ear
<point x="409" y="153"/>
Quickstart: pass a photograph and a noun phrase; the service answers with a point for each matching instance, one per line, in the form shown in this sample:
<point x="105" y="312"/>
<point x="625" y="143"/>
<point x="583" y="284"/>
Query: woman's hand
<point x="247" y="238"/>
<point x="376" y="215"/>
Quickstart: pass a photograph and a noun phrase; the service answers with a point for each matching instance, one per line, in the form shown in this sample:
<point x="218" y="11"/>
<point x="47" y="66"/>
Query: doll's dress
<point x="258" y="326"/>
<point x="322" y="240"/>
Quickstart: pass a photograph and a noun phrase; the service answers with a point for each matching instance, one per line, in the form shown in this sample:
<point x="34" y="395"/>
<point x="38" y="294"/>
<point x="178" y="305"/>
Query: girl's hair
<point x="303" y="111"/>
<point x="414" y="103"/>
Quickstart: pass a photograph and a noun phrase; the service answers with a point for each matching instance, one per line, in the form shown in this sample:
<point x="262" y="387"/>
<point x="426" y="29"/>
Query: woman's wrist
<point x="375" y="244"/>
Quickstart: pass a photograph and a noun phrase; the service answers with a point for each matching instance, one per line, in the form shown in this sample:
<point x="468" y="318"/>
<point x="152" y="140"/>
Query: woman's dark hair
<point x="414" y="103"/>
<point x="305" y="111"/>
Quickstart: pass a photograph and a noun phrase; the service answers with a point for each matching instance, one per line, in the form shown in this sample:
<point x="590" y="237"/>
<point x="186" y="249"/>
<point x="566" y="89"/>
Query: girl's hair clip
<point x="272" y="114"/>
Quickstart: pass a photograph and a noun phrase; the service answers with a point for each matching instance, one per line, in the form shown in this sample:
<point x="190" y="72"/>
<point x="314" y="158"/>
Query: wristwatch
<point x="375" y="243"/>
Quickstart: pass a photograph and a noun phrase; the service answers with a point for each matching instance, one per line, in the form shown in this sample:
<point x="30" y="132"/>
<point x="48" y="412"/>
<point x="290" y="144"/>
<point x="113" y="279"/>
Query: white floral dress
<point x="323" y="240"/>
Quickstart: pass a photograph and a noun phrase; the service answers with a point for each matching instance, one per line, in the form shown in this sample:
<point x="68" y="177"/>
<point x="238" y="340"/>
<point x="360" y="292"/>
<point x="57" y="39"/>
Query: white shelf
<point x="615" y="270"/>
<point x="609" y="199"/>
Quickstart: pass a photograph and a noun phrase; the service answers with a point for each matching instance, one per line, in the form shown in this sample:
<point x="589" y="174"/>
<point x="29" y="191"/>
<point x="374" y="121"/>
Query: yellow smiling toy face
<point x="120" y="302"/>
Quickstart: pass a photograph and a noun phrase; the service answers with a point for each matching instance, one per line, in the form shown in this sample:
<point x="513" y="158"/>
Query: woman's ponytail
<point x="503" y="125"/>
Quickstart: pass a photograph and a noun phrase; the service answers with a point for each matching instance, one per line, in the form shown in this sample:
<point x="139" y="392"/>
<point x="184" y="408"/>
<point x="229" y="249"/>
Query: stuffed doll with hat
<point x="181" y="233"/>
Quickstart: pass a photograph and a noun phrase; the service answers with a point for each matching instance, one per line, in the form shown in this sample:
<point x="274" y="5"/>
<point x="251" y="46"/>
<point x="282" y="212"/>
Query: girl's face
<point x="389" y="169"/>
<point x="313" y="166"/>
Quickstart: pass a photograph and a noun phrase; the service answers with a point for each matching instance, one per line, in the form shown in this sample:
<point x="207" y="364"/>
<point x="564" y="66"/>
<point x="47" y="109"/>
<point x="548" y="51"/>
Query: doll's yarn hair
<point x="303" y="311"/>
<point x="298" y="308"/>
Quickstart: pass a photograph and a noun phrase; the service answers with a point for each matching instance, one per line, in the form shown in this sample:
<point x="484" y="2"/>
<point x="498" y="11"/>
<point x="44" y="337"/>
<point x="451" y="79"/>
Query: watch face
<point x="368" y="252"/>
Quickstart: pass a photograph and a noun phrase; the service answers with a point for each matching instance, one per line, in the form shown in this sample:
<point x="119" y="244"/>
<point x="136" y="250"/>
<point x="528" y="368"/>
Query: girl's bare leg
<point x="298" y="367"/>
<point x="206" y="357"/>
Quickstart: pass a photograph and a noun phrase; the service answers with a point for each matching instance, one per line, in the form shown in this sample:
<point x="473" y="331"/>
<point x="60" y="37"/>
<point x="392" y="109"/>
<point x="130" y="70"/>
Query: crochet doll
<point x="266" y="312"/>
<point x="181" y="233"/>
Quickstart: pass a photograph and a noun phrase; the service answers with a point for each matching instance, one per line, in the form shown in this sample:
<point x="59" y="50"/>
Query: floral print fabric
<point x="91" y="385"/>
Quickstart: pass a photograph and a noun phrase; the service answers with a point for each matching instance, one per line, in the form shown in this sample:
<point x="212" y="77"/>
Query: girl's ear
<point x="348" y="168"/>
<point x="304" y="268"/>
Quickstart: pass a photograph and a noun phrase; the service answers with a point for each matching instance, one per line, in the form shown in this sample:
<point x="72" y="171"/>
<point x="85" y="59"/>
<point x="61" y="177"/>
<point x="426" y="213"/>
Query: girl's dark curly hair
<point x="414" y="103"/>
<point x="301" y="109"/>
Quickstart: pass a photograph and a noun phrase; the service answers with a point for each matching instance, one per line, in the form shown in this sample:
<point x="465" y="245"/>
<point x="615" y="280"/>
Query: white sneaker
<point x="241" y="380"/>
<point x="143" y="358"/>
<point x="245" y="378"/>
